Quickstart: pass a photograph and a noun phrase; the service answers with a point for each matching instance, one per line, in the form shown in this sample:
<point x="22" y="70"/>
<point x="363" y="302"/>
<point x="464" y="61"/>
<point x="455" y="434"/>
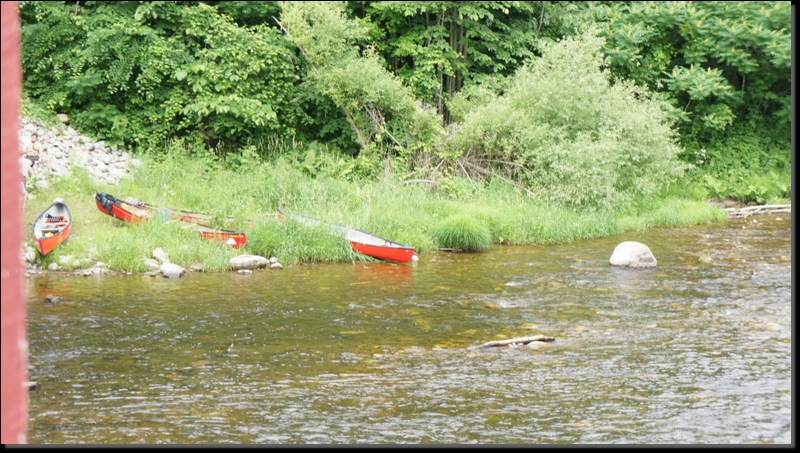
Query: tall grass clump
<point x="463" y="233"/>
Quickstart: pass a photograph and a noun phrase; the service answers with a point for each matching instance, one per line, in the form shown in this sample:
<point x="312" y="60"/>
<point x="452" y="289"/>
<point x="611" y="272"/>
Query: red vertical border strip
<point x="14" y="398"/>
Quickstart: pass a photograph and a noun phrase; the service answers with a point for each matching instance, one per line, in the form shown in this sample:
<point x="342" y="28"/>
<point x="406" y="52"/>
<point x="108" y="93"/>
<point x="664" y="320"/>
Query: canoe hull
<point x="141" y="212"/>
<point x="403" y="255"/>
<point x="52" y="228"/>
<point x="361" y="241"/>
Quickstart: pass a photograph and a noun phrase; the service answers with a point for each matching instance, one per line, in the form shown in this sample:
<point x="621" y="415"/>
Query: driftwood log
<point x="514" y="342"/>
<point x="741" y="213"/>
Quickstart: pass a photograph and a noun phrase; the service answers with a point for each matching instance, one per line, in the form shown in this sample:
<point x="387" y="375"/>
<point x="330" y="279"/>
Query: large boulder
<point x="248" y="262"/>
<point x="634" y="255"/>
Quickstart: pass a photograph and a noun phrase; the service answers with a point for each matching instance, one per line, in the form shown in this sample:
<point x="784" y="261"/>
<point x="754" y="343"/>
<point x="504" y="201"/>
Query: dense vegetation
<point x="480" y="122"/>
<point x="437" y="90"/>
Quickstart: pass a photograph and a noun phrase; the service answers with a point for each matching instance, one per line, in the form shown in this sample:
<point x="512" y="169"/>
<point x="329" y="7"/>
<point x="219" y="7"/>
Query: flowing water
<point x="697" y="350"/>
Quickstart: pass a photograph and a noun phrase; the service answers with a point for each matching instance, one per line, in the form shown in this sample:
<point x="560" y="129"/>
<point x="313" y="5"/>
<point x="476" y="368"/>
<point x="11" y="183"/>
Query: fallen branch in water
<point x="515" y="342"/>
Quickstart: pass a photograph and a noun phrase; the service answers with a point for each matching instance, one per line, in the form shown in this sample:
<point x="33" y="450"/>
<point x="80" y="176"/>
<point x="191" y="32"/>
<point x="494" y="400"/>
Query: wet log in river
<point x="740" y="213"/>
<point x="515" y="341"/>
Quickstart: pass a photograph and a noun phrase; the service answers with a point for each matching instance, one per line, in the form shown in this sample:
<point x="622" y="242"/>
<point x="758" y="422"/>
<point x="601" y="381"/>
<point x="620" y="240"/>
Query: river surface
<point x="697" y="350"/>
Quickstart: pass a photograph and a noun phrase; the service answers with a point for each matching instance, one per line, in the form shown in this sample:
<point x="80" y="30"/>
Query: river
<point x="695" y="351"/>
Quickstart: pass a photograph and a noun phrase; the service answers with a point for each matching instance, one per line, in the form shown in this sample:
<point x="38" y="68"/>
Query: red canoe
<point x="140" y="212"/>
<point x="52" y="227"/>
<point x="361" y="241"/>
<point x="189" y="216"/>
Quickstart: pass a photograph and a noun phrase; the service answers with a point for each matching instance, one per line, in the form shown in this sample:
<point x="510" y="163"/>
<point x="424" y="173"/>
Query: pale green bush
<point x="569" y="135"/>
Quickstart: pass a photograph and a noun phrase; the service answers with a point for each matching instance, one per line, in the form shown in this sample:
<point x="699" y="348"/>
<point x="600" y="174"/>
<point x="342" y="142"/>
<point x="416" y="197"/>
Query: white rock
<point x="632" y="254"/>
<point x="245" y="272"/>
<point x="30" y="254"/>
<point x="152" y="264"/>
<point x="276" y="266"/>
<point x="171" y="270"/>
<point x="273" y="260"/>
<point x="53" y="266"/>
<point x="248" y="262"/>
<point x="161" y="255"/>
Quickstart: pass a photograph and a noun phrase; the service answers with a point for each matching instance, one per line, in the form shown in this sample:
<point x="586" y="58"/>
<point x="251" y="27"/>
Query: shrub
<point x="570" y="135"/>
<point x="462" y="232"/>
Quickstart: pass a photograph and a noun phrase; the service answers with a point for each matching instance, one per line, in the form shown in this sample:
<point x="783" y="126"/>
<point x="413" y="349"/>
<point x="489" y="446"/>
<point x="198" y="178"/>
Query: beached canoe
<point x="52" y="227"/>
<point x="361" y="241"/>
<point x="189" y="216"/>
<point x="141" y="212"/>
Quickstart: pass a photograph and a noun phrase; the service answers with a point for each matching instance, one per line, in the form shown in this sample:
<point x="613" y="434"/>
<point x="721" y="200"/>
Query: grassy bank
<point x="412" y="214"/>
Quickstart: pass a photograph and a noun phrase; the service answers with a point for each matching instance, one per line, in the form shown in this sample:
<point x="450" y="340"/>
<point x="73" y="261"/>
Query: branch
<point x="491" y="173"/>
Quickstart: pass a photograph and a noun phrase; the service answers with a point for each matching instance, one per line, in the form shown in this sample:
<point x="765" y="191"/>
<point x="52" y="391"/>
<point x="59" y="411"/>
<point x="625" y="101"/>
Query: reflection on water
<point x="697" y="350"/>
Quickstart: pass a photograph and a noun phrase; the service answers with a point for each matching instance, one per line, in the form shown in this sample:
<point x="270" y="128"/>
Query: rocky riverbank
<point x="66" y="148"/>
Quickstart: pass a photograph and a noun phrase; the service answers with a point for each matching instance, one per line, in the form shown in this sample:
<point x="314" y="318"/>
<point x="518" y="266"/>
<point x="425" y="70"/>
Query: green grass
<point x="463" y="233"/>
<point x="409" y="214"/>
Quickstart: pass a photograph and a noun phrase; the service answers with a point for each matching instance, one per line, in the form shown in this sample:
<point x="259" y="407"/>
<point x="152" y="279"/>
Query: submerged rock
<point x="634" y="255"/>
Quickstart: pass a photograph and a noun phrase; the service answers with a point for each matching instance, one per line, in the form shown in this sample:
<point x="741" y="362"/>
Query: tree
<point x="376" y="104"/>
<point x="144" y="72"/>
<point x="719" y="62"/>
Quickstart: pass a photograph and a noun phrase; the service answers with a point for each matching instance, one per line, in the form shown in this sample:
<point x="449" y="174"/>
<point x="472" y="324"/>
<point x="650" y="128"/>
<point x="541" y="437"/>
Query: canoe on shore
<point x="141" y="212"/>
<point x="189" y="216"/>
<point x="361" y="241"/>
<point x="52" y="227"/>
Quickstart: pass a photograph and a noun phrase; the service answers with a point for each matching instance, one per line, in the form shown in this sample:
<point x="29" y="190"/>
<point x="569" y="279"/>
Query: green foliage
<point x="572" y="137"/>
<point x="143" y="73"/>
<point x="381" y="111"/>
<point x="748" y="163"/>
<point x="720" y="62"/>
<point x="296" y="243"/>
<point x="438" y="48"/>
<point x="462" y="233"/>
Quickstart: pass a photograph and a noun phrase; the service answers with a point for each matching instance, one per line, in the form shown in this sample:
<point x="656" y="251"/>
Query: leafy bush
<point x="144" y="73"/>
<point x="572" y="137"/>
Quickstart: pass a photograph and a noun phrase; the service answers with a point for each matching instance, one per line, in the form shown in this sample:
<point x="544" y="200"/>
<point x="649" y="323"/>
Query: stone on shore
<point x="152" y="264"/>
<point x="248" y="262"/>
<point x="634" y="255"/>
<point x="65" y="148"/>
<point x="171" y="270"/>
<point x="161" y="255"/>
